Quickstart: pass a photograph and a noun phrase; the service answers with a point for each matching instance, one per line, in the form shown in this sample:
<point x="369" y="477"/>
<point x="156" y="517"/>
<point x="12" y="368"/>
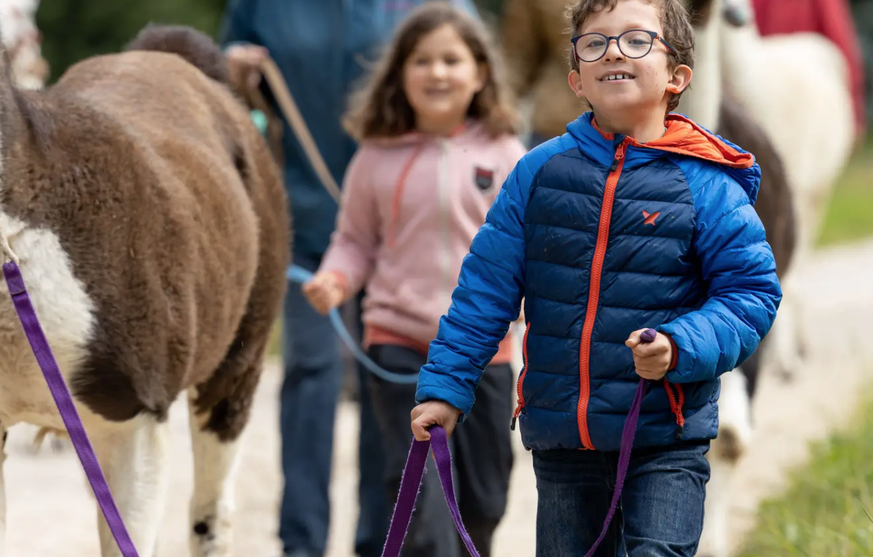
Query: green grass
<point x="850" y="213"/>
<point x="825" y="511"/>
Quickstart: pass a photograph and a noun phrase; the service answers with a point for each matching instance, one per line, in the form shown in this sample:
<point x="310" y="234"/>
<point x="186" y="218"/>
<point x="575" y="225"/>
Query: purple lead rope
<point x="415" y="464"/>
<point x="64" y="402"/>
<point x="411" y="481"/>
<point x="627" y="442"/>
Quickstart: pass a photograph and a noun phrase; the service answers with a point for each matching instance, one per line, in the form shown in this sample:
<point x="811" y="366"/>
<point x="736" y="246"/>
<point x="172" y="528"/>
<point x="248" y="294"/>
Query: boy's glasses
<point x="633" y="43"/>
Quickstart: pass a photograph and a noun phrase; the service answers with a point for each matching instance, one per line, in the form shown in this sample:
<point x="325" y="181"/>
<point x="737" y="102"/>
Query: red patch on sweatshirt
<point x="484" y="178"/>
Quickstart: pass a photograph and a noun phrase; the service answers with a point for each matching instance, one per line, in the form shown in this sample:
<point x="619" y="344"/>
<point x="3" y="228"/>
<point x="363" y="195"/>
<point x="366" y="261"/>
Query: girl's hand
<point x="324" y="291"/>
<point x="433" y="412"/>
<point x="652" y="360"/>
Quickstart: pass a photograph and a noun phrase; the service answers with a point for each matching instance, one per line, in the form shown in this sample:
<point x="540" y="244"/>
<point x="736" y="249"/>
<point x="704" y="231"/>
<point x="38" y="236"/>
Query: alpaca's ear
<point x="736" y="14"/>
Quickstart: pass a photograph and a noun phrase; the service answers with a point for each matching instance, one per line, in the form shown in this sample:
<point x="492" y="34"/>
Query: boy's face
<point x="646" y="81"/>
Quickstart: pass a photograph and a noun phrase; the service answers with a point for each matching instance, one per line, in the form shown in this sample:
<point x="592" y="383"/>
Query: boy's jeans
<point x="660" y="512"/>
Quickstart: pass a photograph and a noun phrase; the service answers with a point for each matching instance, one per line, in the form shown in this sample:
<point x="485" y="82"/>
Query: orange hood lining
<point x="686" y="137"/>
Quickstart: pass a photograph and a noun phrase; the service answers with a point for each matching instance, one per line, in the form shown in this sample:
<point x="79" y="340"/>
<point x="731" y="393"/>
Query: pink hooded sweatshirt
<point x="411" y="207"/>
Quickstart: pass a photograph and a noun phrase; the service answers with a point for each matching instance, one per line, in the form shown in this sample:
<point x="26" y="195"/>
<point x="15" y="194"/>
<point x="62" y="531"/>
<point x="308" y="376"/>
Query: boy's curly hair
<point x="675" y="20"/>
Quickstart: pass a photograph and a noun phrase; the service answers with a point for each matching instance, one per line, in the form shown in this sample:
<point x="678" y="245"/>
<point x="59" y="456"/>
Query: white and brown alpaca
<point x="708" y="104"/>
<point x="797" y="87"/>
<point x="29" y="70"/>
<point x="152" y="231"/>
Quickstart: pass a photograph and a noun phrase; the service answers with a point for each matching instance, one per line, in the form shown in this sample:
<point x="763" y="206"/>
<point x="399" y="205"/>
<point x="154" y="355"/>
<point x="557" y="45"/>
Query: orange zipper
<point x="520" y="383"/>
<point x="594" y="293"/>
<point x="676" y="404"/>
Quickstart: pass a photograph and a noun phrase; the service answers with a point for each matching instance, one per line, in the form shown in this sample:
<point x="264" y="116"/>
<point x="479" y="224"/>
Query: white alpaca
<point x="797" y="87"/>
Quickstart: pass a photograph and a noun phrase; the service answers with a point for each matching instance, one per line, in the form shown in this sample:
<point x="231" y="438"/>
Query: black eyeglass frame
<point x="655" y="36"/>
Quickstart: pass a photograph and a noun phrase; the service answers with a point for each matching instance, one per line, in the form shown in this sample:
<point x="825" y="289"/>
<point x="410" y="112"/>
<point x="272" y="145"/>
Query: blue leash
<point x="301" y="275"/>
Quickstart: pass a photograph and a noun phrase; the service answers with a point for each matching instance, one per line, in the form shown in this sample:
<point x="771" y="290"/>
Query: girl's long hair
<point x="381" y="109"/>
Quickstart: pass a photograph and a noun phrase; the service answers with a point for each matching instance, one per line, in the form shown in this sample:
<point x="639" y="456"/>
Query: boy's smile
<point x="629" y="85"/>
<point x="616" y="76"/>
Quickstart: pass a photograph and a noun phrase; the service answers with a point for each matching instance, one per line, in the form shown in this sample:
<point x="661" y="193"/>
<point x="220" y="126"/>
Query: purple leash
<point x="411" y="481"/>
<point x="627" y="442"/>
<point x="415" y="463"/>
<point x="67" y="409"/>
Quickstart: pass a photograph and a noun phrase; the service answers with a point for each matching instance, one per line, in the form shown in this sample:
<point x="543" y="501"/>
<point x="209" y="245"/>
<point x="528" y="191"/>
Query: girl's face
<point x="440" y="79"/>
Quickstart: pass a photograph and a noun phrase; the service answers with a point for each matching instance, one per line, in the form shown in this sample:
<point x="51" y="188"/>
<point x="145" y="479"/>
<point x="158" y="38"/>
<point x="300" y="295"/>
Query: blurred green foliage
<point x="75" y="29"/>
<point x="862" y="14"/>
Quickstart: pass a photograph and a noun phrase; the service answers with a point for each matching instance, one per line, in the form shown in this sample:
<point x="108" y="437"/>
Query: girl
<point x="437" y="139"/>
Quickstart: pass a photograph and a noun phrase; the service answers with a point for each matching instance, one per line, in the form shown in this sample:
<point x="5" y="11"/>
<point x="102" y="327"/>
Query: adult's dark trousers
<point x="313" y="369"/>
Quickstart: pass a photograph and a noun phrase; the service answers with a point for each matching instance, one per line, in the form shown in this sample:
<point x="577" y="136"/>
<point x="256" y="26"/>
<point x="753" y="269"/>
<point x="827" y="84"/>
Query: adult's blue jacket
<point x="602" y="235"/>
<point x="323" y="48"/>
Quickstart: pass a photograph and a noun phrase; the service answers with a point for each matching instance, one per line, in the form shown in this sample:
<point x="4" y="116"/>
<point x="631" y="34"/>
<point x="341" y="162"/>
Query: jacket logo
<point x="650" y="219"/>
<point x="484" y="178"/>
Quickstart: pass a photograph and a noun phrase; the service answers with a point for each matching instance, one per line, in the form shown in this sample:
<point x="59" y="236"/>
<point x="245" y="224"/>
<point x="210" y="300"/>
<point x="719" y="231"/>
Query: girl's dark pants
<point x="481" y="455"/>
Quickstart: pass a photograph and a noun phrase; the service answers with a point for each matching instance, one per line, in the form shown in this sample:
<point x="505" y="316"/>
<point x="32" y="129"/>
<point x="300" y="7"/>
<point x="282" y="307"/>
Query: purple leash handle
<point x="64" y="401"/>
<point x="411" y="482"/>
<point x="627" y="441"/>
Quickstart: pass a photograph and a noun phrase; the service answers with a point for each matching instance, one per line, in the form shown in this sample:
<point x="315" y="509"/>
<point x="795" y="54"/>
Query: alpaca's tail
<point x="192" y="45"/>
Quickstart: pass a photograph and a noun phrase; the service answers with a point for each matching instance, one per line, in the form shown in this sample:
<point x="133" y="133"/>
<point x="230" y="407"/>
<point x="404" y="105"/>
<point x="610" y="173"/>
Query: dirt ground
<point x="51" y="512"/>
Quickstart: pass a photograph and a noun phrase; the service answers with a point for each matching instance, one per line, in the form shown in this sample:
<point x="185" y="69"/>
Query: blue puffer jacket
<point x="602" y="236"/>
<point x="322" y="48"/>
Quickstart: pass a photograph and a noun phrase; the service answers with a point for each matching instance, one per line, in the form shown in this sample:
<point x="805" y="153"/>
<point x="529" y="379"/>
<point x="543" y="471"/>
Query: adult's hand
<point x="244" y="65"/>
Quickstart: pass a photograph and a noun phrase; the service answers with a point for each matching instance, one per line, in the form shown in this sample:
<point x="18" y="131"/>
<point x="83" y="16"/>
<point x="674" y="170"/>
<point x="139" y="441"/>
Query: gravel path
<point x="51" y="512"/>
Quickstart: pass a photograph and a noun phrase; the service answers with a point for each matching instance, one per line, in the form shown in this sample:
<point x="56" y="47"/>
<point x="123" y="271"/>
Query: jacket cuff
<point x="674" y="360"/>
<point x="444" y="389"/>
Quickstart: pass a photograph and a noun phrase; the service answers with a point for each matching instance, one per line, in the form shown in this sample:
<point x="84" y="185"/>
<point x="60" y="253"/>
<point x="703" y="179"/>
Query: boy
<point x="635" y="218"/>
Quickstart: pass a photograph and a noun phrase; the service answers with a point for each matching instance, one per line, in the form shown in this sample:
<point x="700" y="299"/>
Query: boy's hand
<point x="652" y="360"/>
<point x="324" y="291"/>
<point x="433" y="412"/>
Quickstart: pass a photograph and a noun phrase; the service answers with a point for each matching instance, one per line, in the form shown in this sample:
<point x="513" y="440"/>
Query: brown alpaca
<point x="151" y="226"/>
